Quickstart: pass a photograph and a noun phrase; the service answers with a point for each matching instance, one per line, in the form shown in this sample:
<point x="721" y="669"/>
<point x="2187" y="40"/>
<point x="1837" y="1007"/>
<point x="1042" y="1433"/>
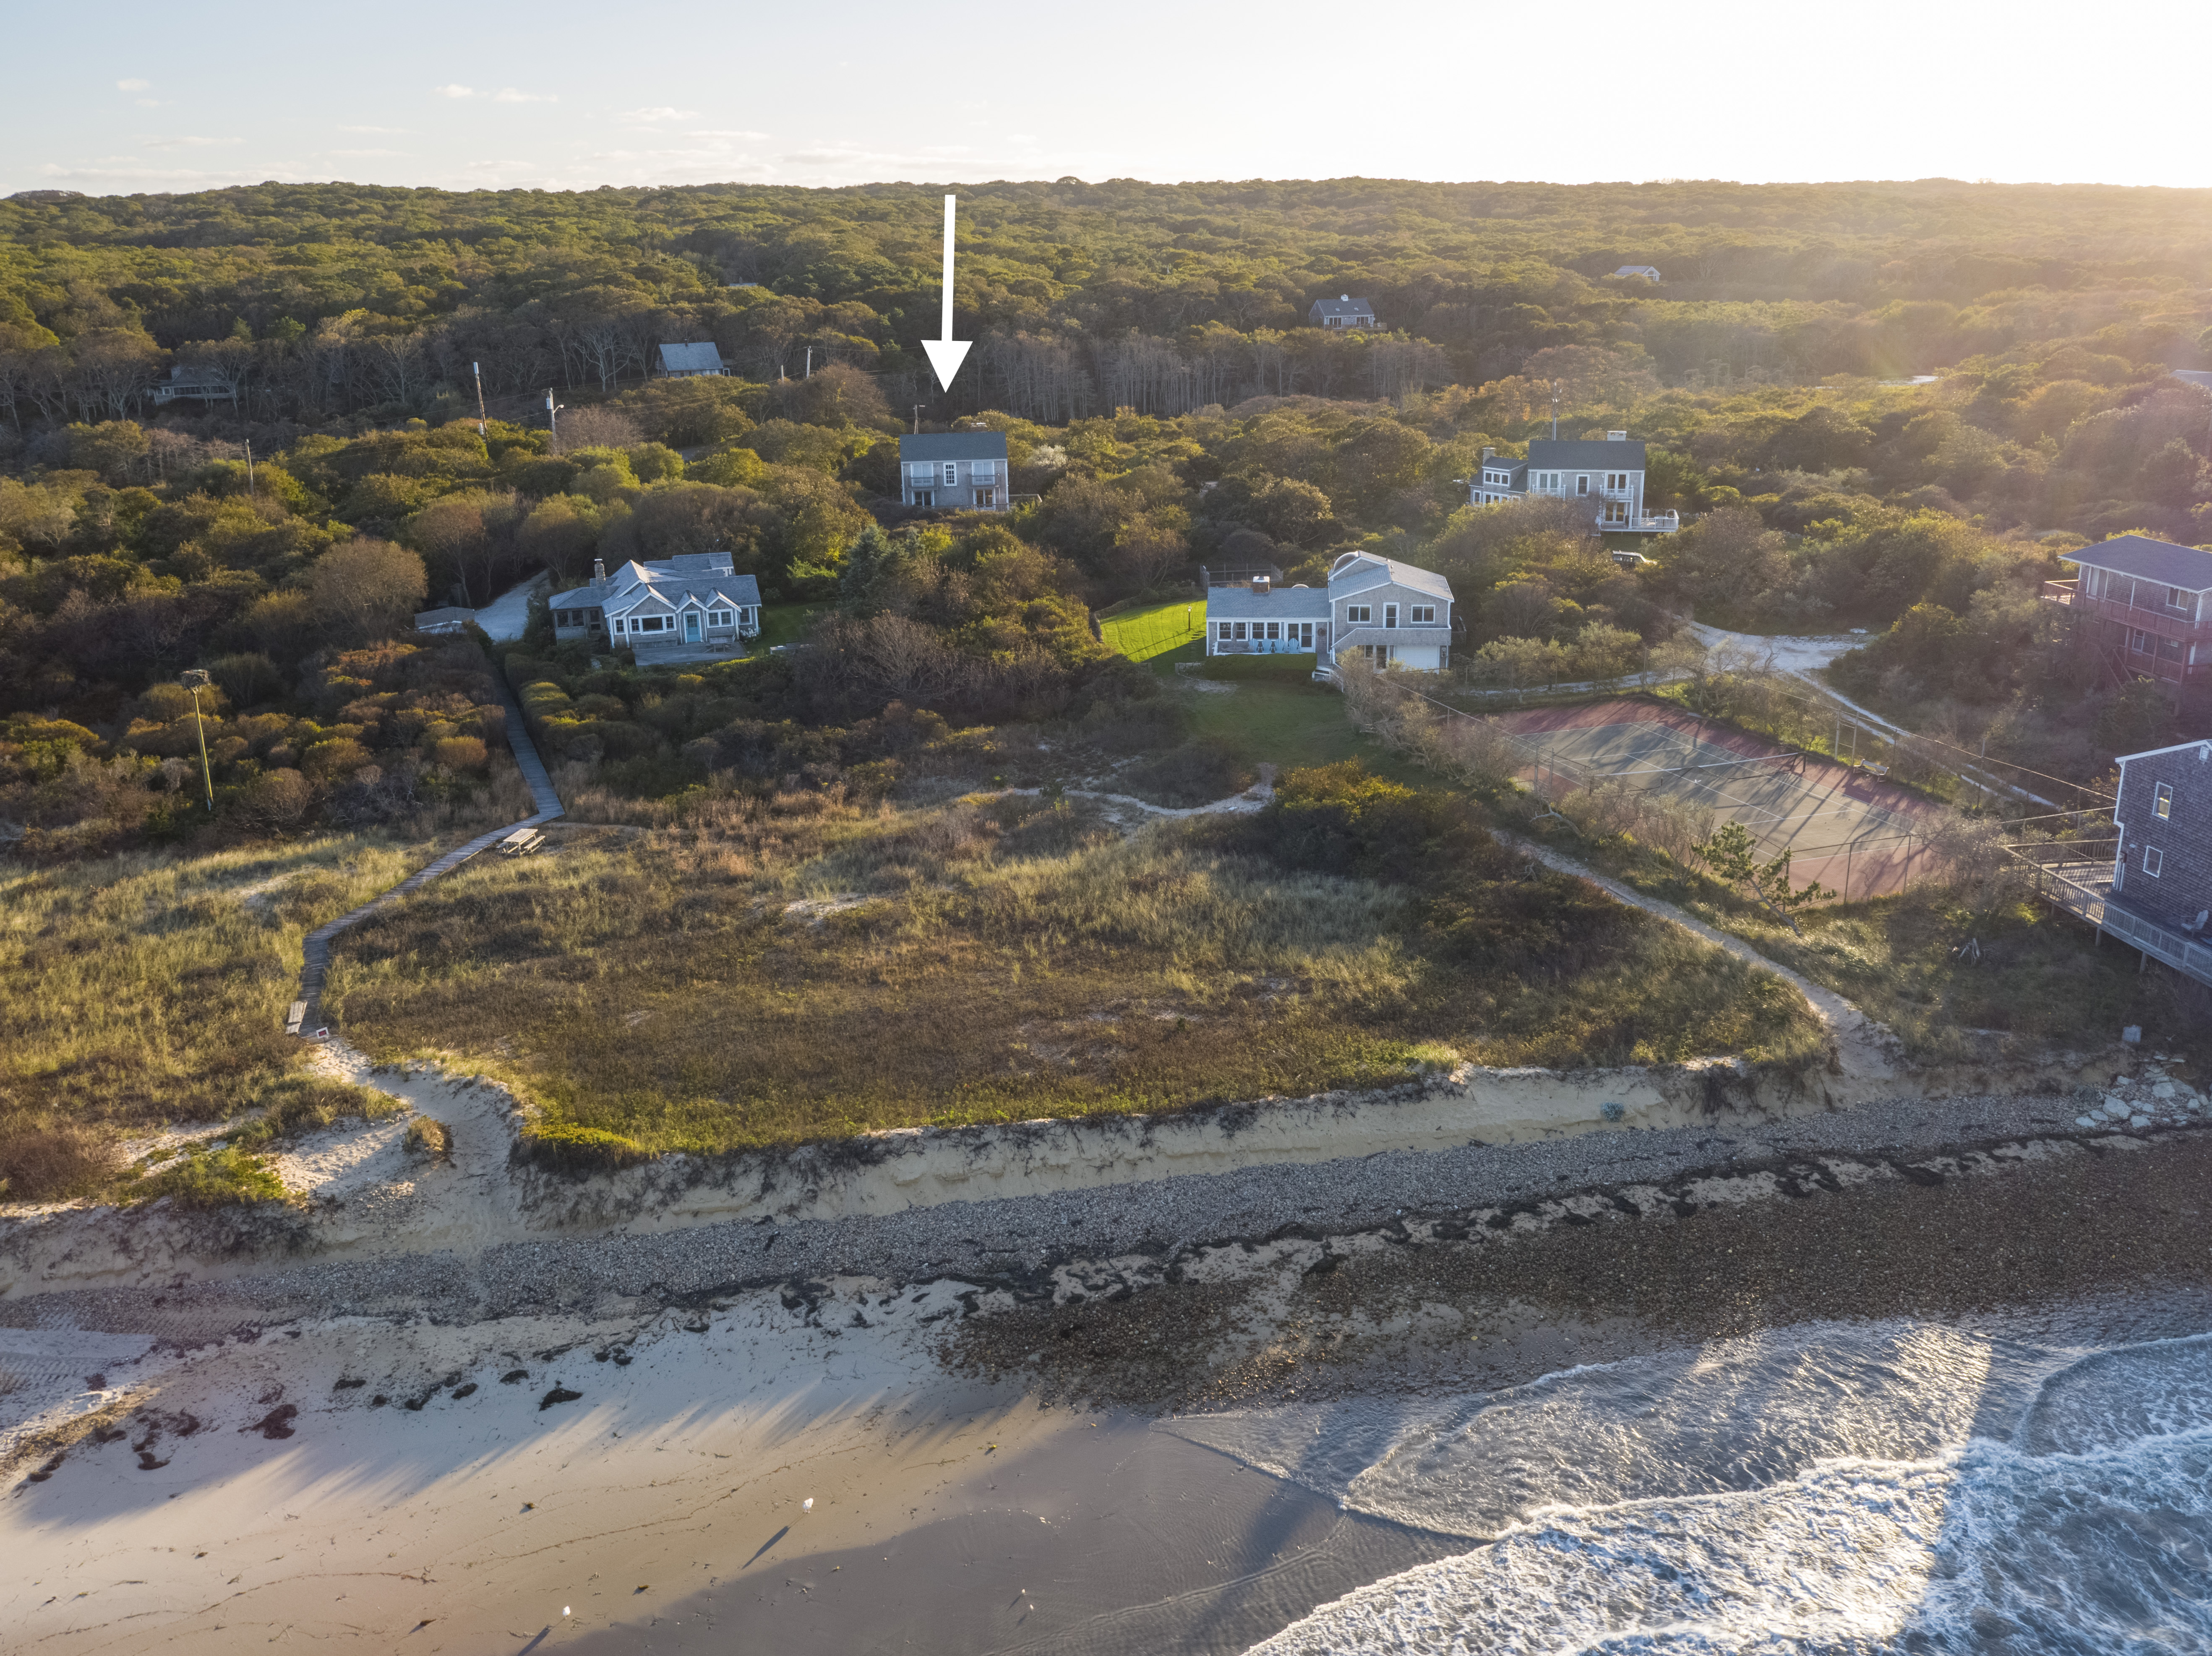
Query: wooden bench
<point x="521" y="842"/>
<point x="296" y="1017"/>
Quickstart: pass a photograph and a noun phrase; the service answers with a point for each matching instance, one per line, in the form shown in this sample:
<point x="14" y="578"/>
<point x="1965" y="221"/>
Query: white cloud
<point x="454" y="91"/>
<point x="648" y="117"/>
<point x="507" y="95"/>
<point x="134" y="85"/>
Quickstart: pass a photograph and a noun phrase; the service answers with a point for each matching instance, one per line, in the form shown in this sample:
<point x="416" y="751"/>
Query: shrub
<point x="52" y="1164"/>
<point x="204" y="1178"/>
<point x="432" y="1138"/>
<point x="1195" y="773"/>
<point x="461" y="753"/>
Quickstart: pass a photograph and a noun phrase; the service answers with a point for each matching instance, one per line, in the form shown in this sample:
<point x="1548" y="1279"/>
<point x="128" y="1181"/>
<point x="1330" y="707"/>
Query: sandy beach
<point x="610" y="1442"/>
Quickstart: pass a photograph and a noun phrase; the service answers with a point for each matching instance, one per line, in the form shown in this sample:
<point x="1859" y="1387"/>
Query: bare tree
<point x="366" y="589"/>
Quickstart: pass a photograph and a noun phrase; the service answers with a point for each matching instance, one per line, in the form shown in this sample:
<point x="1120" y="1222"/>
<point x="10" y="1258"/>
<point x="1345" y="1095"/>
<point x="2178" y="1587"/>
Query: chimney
<point x="1616" y="437"/>
<point x="1261" y="584"/>
<point x="1488" y="453"/>
<point x="599" y="572"/>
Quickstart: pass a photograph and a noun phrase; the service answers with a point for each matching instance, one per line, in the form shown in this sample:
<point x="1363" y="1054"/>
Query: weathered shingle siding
<point x="2183" y="888"/>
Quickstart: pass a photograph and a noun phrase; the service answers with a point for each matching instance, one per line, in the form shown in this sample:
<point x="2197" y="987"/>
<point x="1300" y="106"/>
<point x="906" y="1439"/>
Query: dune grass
<point x="149" y="989"/>
<point x="797" y="977"/>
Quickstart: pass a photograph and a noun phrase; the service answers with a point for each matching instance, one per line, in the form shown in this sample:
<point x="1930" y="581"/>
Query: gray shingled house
<point x="964" y="470"/>
<point x="1607" y="474"/>
<point x="2150" y="601"/>
<point x="686" y="362"/>
<point x="2163" y="867"/>
<point x="1397" y="615"/>
<point x="663" y="609"/>
<point x="1342" y="311"/>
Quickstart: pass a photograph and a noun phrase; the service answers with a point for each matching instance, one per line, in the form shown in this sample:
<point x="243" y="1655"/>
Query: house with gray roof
<point x="688" y="362"/>
<point x="1393" y="613"/>
<point x="959" y="470"/>
<point x="1342" y="311"/>
<point x="1638" y="272"/>
<point x="1604" y="474"/>
<point x="2150" y="604"/>
<point x="677" y="607"/>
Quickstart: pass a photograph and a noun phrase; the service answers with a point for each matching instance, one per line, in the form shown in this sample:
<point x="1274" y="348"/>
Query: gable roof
<point x="953" y="445"/>
<point x="1586" y="454"/>
<point x="1649" y="271"/>
<point x="1345" y="305"/>
<point x="2200" y="378"/>
<point x="2202" y="747"/>
<point x="1355" y="572"/>
<point x="697" y="573"/>
<point x="2145" y="558"/>
<point x="692" y="358"/>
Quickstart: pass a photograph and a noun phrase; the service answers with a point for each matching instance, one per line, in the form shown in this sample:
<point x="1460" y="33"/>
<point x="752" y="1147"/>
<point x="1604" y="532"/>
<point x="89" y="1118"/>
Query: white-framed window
<point x="1389" y="614"/>
<point x="1358" y="615"/>
<point x="1224" y="629"/>
<point x="1547" y="483"/>
<point x="1275" y="631"/>
<point x="951" y="474"/>
<point x="1616" y="482"/>
<point x="923" y="497"/>
<point x="2139" y="641"/>
<point x="2153" y="860"/>
<point x="986" y="497"/>
<point x="1422" y="615"/>
<point x="1582" y="483"/>
<point x="1240" y="629"/>
<point x="2162" y="801"/>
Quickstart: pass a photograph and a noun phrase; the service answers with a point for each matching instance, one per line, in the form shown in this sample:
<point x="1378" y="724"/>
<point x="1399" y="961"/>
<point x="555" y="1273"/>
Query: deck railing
<point x="2084" y="888"/>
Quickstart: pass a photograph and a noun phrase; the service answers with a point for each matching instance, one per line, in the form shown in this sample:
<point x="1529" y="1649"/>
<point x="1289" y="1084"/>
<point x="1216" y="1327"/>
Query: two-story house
<point x="964" y="470"/>
<point x="1343" y="311"/>
<point x="2164" y="816"/>
<point x="658" y="609"/>
<point x="2151" y="604"/>
<point x="1606" y="476"/>
<point x="1394" y="614"/>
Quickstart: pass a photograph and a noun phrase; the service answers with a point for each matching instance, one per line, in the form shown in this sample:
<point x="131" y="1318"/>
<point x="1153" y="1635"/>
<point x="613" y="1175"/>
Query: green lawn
<point x="784" y="623"/>
<point x="1290" y="722"/>
<point x="1151" y="630"/>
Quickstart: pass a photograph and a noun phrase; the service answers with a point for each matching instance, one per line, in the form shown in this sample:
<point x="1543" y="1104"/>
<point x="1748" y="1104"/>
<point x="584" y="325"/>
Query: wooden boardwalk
<point x="315" y="958"/>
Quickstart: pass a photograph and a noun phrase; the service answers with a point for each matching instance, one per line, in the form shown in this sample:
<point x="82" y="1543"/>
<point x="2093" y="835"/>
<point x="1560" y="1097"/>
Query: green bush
<point x="208" y="1179"/>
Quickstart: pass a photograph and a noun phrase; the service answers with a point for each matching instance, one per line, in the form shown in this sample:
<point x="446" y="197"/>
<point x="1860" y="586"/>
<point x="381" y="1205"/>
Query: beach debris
<point x="1611" y="1110"/>
<point x="277" y="1423"/>
<point x="558" y="1394"/>
<point x="465" y="1391"/>
<point x="2132" y="1035"/>
<point x="565" y="1611"/>
<point x="513" y="1375"/>
<point x="807" y="1505"/>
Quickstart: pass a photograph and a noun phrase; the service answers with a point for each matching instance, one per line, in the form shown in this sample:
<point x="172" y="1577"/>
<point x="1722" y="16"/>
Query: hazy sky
<point x="131" y="96"/>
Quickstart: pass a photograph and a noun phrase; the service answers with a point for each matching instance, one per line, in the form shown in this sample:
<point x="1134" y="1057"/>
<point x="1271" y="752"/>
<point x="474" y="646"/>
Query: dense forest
<point x="1881" y="406"/>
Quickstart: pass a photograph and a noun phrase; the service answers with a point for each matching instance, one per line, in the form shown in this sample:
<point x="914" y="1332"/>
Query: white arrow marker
<point x="946" y="353"/>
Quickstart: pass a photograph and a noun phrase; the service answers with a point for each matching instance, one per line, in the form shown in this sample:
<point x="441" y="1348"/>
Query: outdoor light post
<point x="193" y="678"/>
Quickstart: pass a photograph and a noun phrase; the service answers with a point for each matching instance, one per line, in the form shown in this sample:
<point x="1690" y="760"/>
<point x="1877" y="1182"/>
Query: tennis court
<point x="1142" y="632"/>
<point x="1845" y="827"/>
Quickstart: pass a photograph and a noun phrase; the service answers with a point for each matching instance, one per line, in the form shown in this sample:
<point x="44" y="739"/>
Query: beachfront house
<point x="2163" y="867"/>
<point x="2150" y="604"/>
<point x="683" y="605"/>
<point x="1392" y="613"/>
<point x="963" y="470"/>
<point x="1605" y="476"/>
<point x="1342" y="311"/>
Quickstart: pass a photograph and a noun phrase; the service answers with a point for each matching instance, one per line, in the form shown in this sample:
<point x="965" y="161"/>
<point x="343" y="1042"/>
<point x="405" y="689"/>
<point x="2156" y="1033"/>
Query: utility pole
<point x="477" y="368"/>
<point x="809" y="374"/>
<point x="917" y="419"/>
<point x="192" y="680"/>
<point x="249" y="487"/>
<point x="1555" y="410"/>
<point x="553" y="419"/>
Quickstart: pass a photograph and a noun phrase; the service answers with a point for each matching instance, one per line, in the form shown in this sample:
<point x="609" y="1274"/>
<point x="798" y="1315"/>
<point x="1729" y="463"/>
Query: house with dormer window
<point x="954" y="471"/>
<point x="1605" y="476"/>
<point x="680" y="604"/>
<point x="1392" y="613"/>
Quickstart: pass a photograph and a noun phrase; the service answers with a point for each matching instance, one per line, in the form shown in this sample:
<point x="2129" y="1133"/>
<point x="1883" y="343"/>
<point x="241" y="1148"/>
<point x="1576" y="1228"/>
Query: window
<point x="986" y="497"/>
<point x="923" y="497"/>
<point x="1240" y="629"/>
<point x="1359" y="615"/>
<point x="1389" y="614"/>
<point x="951" y="474"/>
<point x="2153" y="860"/>
<point x="1305" y="635"/>
<point x="2170" y="648"/>
<point x="2162" y="804"/>
<point x="1224" y="629"/>
<point x="2139" y="641"/>
<point x="1582" y="483"/>
<point x="1616" y="482"/>
<point x="1547" y="483"/>
<point x="1422" y="615"/>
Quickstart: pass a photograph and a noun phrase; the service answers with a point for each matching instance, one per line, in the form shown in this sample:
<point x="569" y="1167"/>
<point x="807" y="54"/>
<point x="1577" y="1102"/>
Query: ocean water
<point x="1832" y="1488"/>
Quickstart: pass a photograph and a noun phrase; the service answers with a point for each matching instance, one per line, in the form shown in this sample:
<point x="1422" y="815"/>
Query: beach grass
<point x="149" y="989"/>
<point x="803" y="971"/>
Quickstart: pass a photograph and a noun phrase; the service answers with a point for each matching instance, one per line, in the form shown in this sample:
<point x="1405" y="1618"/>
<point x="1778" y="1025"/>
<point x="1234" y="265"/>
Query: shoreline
<point x="660" y="1496"/>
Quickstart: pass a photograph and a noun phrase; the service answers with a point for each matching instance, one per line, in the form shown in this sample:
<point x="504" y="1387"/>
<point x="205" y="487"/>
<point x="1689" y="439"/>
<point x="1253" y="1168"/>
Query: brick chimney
<point x="599" y="572"/>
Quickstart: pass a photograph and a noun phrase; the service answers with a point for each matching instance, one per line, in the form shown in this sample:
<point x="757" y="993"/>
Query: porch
<point x="2078" y="879"/>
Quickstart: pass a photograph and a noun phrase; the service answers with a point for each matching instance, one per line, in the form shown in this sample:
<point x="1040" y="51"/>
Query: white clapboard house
<point x="657" y="609"/>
